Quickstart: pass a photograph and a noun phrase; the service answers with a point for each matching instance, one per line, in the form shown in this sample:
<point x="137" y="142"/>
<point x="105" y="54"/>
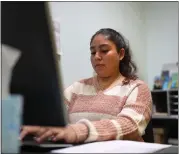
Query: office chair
<point x="149" y="136"/>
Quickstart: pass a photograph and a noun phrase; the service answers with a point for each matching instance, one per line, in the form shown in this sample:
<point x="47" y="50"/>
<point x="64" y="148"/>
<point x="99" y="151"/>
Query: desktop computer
<point x="27" y="26"/>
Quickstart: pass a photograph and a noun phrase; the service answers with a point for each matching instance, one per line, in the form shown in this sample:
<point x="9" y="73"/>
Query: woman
<point x="112" y="105"/>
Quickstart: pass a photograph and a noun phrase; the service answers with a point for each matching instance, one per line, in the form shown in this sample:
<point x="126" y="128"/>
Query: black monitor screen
<point x="24" y="25"/>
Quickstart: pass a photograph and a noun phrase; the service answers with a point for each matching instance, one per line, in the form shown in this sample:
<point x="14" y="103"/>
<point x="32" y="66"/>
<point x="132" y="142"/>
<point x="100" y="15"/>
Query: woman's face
<point x="104" y="56"/>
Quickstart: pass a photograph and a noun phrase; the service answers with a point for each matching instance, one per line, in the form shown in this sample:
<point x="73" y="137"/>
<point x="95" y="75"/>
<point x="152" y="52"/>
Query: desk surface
<point x="172" y="149"/>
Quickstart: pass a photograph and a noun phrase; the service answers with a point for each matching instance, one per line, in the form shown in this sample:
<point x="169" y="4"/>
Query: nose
<point x="98" y="56"/>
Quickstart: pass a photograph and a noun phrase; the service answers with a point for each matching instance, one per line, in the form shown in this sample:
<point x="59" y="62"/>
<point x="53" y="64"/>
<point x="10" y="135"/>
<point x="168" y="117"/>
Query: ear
<point x="121" y="54"/>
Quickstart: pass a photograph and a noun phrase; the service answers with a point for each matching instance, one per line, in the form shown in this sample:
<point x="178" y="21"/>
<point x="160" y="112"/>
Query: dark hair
<point x="127" y="67"/>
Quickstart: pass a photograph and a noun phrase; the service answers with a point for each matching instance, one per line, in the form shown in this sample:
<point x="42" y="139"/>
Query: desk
<point x="115" y="149"/>
<point x="172" y="149"/>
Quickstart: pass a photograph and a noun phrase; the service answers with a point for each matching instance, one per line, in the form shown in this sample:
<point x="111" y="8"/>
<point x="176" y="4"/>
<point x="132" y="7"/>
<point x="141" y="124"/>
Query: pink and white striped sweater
<point x="121" y="112"/>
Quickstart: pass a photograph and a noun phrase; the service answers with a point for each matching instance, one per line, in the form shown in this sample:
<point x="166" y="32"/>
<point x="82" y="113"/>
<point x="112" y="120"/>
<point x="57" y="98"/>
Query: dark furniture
<point x="149" y="136"/>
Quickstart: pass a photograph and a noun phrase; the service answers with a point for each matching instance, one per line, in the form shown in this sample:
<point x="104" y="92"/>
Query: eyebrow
<point x="100" y="46"/>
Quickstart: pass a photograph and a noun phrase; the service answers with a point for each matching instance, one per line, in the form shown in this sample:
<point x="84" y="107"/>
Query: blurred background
<point x="152" y="31"/>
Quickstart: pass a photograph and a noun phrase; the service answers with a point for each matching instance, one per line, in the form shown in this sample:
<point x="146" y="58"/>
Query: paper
<point x="10" y="56"/>
<point x="116" y="146"/>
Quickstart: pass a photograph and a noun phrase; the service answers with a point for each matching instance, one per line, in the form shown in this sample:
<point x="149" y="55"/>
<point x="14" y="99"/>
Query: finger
<point x="59" y="136"/>
<point x="28" y="130"/>
<point x="23" y="134"/>
<point x="23" y="127"/>
<point x="46" y="134"/>
<point x="41" y="131"/>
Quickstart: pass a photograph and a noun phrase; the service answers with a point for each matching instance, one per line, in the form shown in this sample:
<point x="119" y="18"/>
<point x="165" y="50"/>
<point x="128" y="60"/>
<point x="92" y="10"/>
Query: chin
<point x="102" y="75"/>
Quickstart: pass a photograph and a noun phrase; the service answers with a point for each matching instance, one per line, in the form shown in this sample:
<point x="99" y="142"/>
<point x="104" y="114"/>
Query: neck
<point x="105" y="82"/>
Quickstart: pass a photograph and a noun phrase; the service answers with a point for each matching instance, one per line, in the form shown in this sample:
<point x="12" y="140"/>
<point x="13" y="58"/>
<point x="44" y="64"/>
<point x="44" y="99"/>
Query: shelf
<point x="174" y="96"/>
<point x="174" y="110"/>
<point x="165" y="113"/>
<point x="160" y="90"/>
<point x="164" y="116"/>
<point x="174" y="103"/>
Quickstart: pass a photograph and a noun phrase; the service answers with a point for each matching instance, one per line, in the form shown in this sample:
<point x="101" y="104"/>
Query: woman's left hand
<point x="58" y="133"/>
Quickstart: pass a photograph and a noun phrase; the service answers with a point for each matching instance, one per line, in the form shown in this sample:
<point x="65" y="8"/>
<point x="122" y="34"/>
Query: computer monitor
<point x="27" y="26"/>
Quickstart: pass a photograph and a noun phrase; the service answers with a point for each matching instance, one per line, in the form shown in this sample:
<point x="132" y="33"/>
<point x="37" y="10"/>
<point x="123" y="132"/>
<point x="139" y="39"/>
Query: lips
<point x="99" y="65"/>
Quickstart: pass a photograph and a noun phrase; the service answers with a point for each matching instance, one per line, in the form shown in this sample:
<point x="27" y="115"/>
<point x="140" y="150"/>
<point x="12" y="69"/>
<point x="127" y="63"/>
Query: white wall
<point x="150" y="27"/>
<point x="80" y="20"/>
<point x="161" y="24"/>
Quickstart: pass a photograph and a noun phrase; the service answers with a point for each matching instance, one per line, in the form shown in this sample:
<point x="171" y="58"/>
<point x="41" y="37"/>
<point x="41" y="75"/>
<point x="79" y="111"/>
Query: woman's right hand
<point x="32" y="130"/>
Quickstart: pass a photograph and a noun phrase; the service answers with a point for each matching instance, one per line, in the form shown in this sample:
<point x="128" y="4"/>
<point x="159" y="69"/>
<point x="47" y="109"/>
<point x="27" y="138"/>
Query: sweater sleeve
<point x="130" y="123"/>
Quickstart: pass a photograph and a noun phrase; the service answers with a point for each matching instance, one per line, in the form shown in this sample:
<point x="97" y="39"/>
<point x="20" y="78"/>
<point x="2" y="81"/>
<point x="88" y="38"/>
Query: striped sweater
<point x="119" y="113"/>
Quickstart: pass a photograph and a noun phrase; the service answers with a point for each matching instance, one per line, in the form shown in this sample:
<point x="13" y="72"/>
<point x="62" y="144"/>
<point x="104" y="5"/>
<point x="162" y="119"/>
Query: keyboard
<point x="30" y="144"/>
<point x="48" y="144"/>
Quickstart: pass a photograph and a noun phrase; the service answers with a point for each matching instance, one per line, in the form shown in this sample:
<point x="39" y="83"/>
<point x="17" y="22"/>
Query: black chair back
<point x="149" y="136"/>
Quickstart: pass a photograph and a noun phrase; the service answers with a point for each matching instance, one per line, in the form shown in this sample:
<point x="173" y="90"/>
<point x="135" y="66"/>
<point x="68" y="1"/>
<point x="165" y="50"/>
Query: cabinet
<point x="165" y="102"/>
<point x="165" y="115"/>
